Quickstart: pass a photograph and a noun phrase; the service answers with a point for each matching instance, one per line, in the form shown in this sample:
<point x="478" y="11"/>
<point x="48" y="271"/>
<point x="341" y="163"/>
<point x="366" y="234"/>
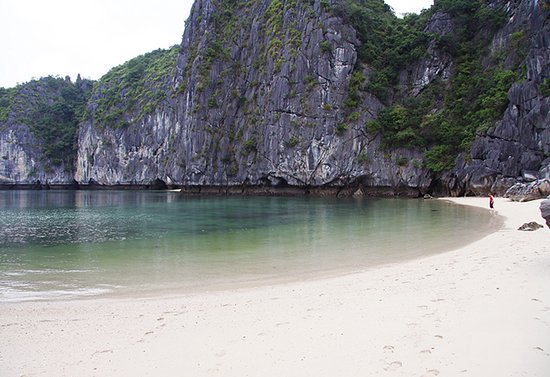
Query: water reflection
<point x="21" y="199"/>
<point x="96" y="241"/>
<point x="58" y="217"/>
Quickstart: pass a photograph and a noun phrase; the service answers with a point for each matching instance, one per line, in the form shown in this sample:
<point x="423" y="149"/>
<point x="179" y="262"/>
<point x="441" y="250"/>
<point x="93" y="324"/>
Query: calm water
<point x="64" y="244"/>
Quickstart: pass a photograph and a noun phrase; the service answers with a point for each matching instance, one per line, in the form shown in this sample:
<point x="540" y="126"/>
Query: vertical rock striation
<point x="38" y="131"/>
<point x="517" y="148"/>
<point x="257" y="98"/>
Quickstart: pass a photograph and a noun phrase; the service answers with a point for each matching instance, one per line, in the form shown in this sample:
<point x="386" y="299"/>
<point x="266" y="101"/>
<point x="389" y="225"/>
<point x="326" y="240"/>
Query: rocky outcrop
<point x="545" y="210"/>
<point x="531" y="226"/>
<point x="281" y="123"/>
<point x="274" y="116"/>
<point x="523" y="192"/>
<point x="136" y="155"/>
<point x="437" y="64"/>
<point x="517" y="149"/>
<point x="16" y="162"/>
<point x="29" y="141"/>
<point x="23" y="163"/>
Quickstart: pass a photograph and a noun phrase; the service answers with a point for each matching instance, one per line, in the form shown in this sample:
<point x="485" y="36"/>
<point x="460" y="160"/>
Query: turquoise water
<point x="64" y="244"/>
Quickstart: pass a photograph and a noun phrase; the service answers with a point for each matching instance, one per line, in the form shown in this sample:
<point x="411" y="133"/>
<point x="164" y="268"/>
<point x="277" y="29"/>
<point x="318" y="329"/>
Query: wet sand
<point x="480" y="310"/>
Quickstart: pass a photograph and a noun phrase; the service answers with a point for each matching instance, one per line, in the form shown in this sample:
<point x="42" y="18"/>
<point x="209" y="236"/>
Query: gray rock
<point x="544" y="171"/>
<point x="22" y="161"/>
<point x="518" y="144"/>
<point x="279" y="116"/>
<point x="545" y="211"/>
<point x="523" y="192"/>
<point x="531" y="226"/>
<point x="278" y="123"/>
<point x="440" y="23"/>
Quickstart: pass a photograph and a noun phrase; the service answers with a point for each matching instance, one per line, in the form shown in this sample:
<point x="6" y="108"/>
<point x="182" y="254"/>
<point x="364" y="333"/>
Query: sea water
<point x="66" y="244"/>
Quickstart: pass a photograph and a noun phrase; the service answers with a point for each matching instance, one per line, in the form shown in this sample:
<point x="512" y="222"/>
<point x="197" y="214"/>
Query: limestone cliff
<point x="517" y="148"/>
<point x="259" y="97"/>
<point x="38" y="131"/>
<point x="296" y="92"/>
<point x="256" y="99"/>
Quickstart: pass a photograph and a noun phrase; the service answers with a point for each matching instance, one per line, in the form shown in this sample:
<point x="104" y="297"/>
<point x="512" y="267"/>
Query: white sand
<point x="481" y="310"/>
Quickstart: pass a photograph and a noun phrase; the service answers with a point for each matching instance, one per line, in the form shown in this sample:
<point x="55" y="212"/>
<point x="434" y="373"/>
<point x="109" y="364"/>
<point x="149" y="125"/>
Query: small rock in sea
<point x="359" y="193"/>
<point x="530" y="226"/>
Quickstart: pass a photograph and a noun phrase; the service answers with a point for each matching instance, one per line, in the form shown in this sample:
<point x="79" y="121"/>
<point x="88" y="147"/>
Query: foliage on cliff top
<point x="133" y="89"/>
<point x="387" y="42"/>
<point x="6" y="99"/>
<point x="51" y="107"/>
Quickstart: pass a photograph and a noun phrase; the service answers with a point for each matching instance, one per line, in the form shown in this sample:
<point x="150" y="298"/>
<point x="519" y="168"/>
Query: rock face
<point x="275" y="114"/>
<point x="258" y="95"/>
<point x="438" y="64"/>
<point x="545" y="211"/>
<point x="23" y="162"/>
<point x="517" y="149"/>
<point x="136" y="155"/>
<point x="31" y="149"/>
<point x="523" y="192"/>
<point x="17" y="162"/>
<point x="256" y="112"/>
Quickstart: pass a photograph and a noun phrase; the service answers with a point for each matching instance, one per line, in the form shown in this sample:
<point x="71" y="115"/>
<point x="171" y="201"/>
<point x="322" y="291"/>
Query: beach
<point x="480" y="310"/>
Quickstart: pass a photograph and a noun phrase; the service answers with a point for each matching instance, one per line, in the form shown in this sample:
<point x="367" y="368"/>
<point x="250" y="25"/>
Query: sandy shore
<point x="481" y="310"/>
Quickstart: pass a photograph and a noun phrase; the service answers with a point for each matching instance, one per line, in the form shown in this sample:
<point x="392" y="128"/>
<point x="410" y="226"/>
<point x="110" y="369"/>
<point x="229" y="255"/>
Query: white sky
<point x="66" y="37"/>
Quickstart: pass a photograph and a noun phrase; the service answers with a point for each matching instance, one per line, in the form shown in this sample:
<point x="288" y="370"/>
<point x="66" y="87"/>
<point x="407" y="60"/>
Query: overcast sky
<point x="66" y="37"/>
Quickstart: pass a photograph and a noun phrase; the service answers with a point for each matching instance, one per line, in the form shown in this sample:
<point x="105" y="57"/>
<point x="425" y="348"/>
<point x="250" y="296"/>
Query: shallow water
<point x="65" y="244"/>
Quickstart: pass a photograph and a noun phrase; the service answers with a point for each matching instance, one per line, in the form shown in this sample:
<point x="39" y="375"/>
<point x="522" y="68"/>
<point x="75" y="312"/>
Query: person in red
<point x="491" y="201"/>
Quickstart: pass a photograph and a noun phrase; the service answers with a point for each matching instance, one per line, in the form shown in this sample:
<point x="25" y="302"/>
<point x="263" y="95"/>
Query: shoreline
<point x="482" y="309"/>
<point x="334" y="255"/>
<point x="344" y="191"/>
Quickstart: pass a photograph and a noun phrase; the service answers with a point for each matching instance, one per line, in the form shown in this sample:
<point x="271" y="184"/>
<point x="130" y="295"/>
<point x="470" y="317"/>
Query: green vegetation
<point x="476" y="99"/>
<point x="355" y="86"/>
<point x="250" y="146"/>
<point x="325" y="47"/>
<point x="362" y="157"/>
<point x="52" y="108"/>
<point x="274" y="16"/>
<point x="401" y="161"/>
<point x="371" y="19"/>
<point x="6" y="99"/>
<point x="293" y="141"/>
<point x="341" y="129"/>
<point x="388" y="43"/>
<point x="445" y="117"/>
<point x="134" y="89"/>
<point x="545" y="87"/>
